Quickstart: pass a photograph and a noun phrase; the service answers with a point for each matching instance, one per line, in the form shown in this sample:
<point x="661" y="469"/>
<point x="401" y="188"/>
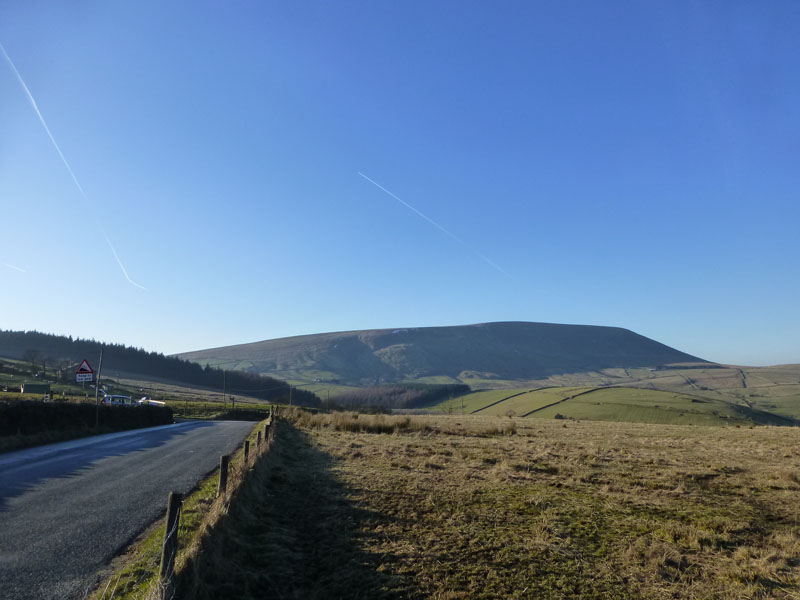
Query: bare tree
<point x="62" y="368"/>
<point x="31" y="355"/>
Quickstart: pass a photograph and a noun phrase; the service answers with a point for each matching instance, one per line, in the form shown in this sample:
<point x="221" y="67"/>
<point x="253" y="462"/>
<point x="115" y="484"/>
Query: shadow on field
<point x="22" y="470"/>
<point x="290" y="533"/>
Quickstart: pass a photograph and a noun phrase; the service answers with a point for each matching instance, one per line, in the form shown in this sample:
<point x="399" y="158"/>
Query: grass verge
<point x="290" y="534"/>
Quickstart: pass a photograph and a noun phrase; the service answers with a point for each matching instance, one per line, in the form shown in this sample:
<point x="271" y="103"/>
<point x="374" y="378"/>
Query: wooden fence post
<point x="170" y="538"/>
<point x="258" y="440"/>
<point x="246" y="449"/>
<point x="224" y="460"/>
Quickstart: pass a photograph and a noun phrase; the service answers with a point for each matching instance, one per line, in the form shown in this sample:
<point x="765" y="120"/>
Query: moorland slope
<point x="495" y="351"/>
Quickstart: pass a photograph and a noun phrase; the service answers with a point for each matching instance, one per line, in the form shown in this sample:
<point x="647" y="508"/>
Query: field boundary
<point x="564" y="400"/>
<point x="547" y="387"/>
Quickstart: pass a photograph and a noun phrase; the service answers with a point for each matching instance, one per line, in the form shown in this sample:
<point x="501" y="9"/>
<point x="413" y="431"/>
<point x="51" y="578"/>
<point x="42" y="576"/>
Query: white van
<point x="119" y="400"/>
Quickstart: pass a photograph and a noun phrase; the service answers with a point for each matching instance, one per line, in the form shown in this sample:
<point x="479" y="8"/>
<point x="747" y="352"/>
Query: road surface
<point x="67" y="509"/>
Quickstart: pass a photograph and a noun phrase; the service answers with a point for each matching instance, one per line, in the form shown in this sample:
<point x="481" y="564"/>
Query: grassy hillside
<point x="56" y="356"/>
<point x="635" y="405"/>
<point x="709" y="379"/>
<point x="467" y="354"/>
<point x="505" y="359"/>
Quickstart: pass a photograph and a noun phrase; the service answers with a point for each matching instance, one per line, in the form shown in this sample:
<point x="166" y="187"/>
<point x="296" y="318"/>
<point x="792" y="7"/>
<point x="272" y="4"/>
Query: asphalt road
<point x="67" y="509"/>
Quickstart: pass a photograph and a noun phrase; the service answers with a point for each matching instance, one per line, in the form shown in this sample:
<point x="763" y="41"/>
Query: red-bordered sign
<point x="84" y="372"/>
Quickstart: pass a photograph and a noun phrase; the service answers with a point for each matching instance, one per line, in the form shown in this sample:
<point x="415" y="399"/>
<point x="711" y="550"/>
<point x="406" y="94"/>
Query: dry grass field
<point x="376" y="506"/>
<point x="476" y="507"/>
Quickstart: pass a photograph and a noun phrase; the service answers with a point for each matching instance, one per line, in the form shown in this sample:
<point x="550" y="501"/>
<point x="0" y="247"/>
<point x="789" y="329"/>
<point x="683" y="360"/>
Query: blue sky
<point x="614" y="163"/>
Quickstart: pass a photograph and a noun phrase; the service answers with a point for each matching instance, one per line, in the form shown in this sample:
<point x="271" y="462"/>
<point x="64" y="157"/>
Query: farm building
<point x="35" y="388"/>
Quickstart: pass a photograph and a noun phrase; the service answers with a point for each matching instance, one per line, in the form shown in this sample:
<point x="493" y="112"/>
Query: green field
<point x="635" y="405"/>
<point x="772" y="389"/>
<point x="511" y="402"/>
<point x="475" y="401"/>
<point x="699" y="395"/>
<point x="653" y="406"/>
<point x="533" y="401"/>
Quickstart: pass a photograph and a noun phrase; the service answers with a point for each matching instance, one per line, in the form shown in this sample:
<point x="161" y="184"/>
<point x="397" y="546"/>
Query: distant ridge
<point x="503" y="350"/>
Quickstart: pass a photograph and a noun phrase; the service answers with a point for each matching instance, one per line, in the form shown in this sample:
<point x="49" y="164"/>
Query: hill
<point x="58" y="355"/>
<point x="466" y="354"/>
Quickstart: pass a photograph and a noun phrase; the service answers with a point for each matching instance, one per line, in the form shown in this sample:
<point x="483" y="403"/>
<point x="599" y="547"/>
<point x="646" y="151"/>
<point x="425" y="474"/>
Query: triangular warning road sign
<point x="84" y="368"/>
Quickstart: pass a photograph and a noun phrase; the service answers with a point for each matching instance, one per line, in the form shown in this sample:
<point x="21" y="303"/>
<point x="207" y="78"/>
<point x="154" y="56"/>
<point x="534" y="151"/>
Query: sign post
<point x="84" y="372"/>
<point x="97" y="391"/>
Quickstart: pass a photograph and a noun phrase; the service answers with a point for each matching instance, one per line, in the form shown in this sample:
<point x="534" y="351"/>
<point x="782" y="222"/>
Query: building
<point x="35" y="388"/>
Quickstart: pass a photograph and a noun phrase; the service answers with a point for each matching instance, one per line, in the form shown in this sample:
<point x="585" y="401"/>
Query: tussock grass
<point x="574" y="510"/>
<point x="200" y="409"/>
<point x="397" y="424"/>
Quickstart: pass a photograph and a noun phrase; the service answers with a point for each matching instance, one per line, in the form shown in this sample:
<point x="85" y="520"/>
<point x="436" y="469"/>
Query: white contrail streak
<point x="121" y="266"/>
<point x="61" y="154"/>
<point x="13" y="267"/>
<point x="42" y="121"/>
<point x="491" y="263"/>
<point x="407" y="205"/>
<point x="444" y="230"/>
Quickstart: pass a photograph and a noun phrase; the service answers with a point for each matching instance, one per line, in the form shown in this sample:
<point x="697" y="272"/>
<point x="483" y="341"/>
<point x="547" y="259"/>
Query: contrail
<point x="407" y="205"/>
<point x="119" y="262"/>
<point x="444" y="230"/>
<point x="13" y="267"/>
<point x="61" y="154"/>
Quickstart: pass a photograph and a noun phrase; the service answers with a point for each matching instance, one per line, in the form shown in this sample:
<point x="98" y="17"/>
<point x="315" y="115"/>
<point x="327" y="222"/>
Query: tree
<point x="31" y="355"/>
<point x="62" y="368"/>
